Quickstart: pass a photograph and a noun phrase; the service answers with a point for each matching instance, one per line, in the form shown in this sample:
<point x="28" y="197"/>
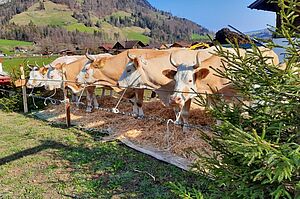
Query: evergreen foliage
<point x="256" y="148"/>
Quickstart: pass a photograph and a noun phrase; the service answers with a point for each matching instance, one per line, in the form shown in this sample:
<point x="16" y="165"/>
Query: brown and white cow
<point x="202" y="77"/>
<point x="55" y="76"/>
<point x="37" y="75"/>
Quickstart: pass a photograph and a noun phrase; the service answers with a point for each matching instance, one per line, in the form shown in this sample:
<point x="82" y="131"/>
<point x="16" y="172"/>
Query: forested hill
<point x="97" y="20"/>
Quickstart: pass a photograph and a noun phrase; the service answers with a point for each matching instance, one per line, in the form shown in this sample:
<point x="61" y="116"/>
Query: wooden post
<point x="25" y="105"/>
<point x="66" y="99"/>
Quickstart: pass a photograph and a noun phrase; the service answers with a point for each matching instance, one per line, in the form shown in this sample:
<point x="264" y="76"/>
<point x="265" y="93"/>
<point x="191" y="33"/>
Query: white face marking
<point x="130" y="76"/>
<point x="56" y="76"/>
<point x="35" y="78"/>
<point x="184" y="85"/>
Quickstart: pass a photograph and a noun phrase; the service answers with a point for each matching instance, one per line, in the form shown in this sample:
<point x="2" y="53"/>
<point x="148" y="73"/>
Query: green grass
<point x="8" y="45"/>
<point x="40" y="161"/>
<point x="10" y="64"/>
<point x="81" y="28"/>
<point x="54" y="14"/>
<point x="135" y="33"/>
<point x="198" y="37"/>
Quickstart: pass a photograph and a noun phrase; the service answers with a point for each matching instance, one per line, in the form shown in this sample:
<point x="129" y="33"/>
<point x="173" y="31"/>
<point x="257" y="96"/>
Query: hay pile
<point x="143" y="132"/>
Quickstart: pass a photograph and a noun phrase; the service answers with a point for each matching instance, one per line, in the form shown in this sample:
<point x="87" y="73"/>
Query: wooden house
<point x="134" y="44"/>
<point x="268" y="5"/>
<point x="180" y="44"/>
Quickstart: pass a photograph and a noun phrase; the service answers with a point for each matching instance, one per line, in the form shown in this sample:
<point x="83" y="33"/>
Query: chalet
<point x="105" y="48"/>
<point x="128" y="45"/>
<point x="180" y="44"/>
<point x="152" y="46"/>
<point x="268" y="5"/>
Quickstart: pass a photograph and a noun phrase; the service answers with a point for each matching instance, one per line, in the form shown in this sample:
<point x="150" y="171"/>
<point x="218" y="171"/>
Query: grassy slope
<point x="40" y="161"/>
<point x="54" y="14"/>
<point x="61" y="15"/>
<point x="8" y="45"/>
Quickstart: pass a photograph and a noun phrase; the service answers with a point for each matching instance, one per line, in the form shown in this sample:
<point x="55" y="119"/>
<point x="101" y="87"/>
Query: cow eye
<point x="129" y="70"/>
<point x="190" y="81"/>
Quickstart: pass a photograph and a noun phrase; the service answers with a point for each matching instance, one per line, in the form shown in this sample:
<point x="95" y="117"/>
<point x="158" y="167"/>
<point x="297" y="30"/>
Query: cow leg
<point x="139" y="95"/>
<point x="185" y="114"/>
<point x="110" y="92"/>
<point x="89" y="107"/>
<point x="93" y="96"/>
<point x="103" y="92"/>
<point x="75" y="99"/>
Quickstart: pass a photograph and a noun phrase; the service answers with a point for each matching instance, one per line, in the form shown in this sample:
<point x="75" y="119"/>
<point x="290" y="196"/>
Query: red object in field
<point x="4" y="80"/>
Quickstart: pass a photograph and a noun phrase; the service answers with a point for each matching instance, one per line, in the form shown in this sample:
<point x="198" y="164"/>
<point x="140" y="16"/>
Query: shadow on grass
<point x="31" y="151"/>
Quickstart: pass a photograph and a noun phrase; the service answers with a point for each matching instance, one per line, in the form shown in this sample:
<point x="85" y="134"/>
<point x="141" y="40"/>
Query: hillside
<point x="261" y="34"/>
<point x="100" y="20"/>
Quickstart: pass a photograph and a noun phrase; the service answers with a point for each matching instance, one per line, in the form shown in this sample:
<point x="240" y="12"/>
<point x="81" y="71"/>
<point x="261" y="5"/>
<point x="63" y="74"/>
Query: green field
<point x="197" y="37"/>
<point x="42" y="161"/>
<point x="8" y="45"/>
<point x="13" y="64"/>
<point x="54" y="14"/>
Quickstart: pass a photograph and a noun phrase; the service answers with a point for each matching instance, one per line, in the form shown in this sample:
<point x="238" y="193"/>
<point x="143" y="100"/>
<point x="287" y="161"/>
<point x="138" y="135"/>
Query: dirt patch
<point x="148" y="133"/>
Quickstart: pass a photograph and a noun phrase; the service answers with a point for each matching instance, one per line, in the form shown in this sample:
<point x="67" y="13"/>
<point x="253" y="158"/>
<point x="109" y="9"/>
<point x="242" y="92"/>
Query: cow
<point x="37" y="76"/>
<point x="202" y="78"/>
<point x="108" y="71"/>
<point x="55" y="76"/>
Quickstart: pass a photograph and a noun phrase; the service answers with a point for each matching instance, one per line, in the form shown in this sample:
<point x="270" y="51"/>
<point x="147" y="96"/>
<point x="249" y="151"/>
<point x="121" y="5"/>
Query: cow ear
<point x="43" y="70"/>
<point x="169" y="73"/>
<point x="136" y="62"/>
<point x="202" y="73"/>
<point x="58" y="66"/>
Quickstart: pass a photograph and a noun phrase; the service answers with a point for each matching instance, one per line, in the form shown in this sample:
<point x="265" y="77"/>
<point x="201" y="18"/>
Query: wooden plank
<point x="160" y="155"/>
<point x="25" y="105"/>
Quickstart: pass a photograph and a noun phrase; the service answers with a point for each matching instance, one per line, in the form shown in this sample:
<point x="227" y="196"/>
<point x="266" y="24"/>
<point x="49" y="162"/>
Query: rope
<point x="144" y="87"/>
<point x="30" y="95"/>
<point x="50" y="99"/>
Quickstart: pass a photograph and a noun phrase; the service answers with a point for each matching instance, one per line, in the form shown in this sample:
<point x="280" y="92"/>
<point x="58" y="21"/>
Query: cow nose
<point x="175" y="100"/>
<point x="178" y="99"/>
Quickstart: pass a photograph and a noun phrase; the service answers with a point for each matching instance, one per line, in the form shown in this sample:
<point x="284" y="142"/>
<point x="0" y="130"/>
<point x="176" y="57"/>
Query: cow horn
<point x="29" y="65"/>
<point x="198" y="63"/>
<point x="91" y="58"/>
<point x="36" y="64"/>
<point x="132" y="57"/>
<point x="173" y="61"/>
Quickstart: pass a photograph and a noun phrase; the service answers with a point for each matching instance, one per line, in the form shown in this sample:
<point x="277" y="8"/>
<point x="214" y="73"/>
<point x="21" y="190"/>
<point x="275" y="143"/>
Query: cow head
<point x="36" y="76"/>
<point x="54" y="75"/>
<point x="185" y="78"/>
<point x="86" y="75"/>
<point x="133" y="73"/>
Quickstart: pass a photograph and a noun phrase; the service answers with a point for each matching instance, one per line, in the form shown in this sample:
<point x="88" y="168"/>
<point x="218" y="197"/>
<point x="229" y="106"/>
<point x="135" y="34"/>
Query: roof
<point x="181" y="43"/>
<point x="130" y="44"/>
<point x="153" y="46"/>
<point x="264" y="5"/>
<point x="106" y="46"/>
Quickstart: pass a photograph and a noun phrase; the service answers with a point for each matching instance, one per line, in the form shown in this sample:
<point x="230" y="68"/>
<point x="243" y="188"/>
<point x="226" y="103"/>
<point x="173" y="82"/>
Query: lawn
<point x="8" y="45"/>
<point x="42" y="161"/>
<point x="10" y="64"/>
